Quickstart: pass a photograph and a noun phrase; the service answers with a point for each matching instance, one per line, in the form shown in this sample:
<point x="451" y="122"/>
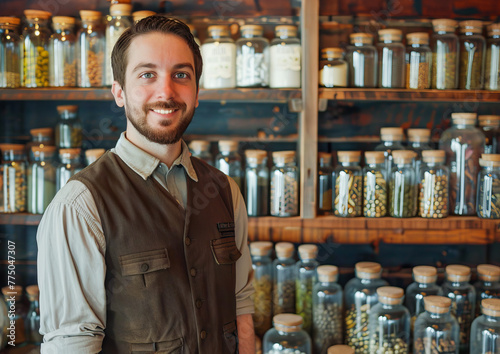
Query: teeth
<point x="163" y="111"/>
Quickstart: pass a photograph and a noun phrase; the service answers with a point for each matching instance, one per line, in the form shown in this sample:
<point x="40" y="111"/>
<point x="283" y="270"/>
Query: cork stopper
<point x="120" y="10"/>
<point x="361" y="38"/>
<point x="93" y="154"/>
<point x="392" y="134"/>
<point x="403" y="156"/>
<point x="494" y="29"/>
<point x="44" y="132"/>
<point x="425" y="274"/>
<point x="33" y="292"/>
<point x="327" y="273"/>
<point x="491" y="307"/>
<point x="90" y="15"/>
<point x="349" y="156"/>
<point x="199" y="145"/>
<point x="260" y="248"/>
<point x="417" y="135"/>
<point x="390" y="34"/>
<point x="464" y="118"/>
<point x="489" y="121"/>
<point x="444" y="25"/>
<point x="437" y="304"/>
<point x="283" y="156"/>
<point x="139" y="15"/>
<point x="287" y="322"/>
<point x="286" y="31"/>
<point x="325" y="158"/>
<point x="390" y="295"/>
<point x="308" y="251"/>
<point x="63" y="20"/>
<point x="417" y="38"/>
<point x="284" y="249"/>
<point x="228" y="145"/>
<point x="471" y="26"/>
<point x="332" y="53"/>
<point x="47" y="150"/>
<point x="368" y="270"/>
<point x="8" y="20"/>
<point x="70" y="153"/>
<point x="457" y="273"/>
<point x="67" y="108"/>
<point x="489" y="160"/>
<point x="340" y="349"/>
<point x="16" y="291"/>
<point x="433" y="156"/>
<point x="374" y="157"/>
<point x="488" y="272"/>
<point x="251" y="30"/>
<point x="216" y="31"/>
<point x="256" y="156"/>
<point x="37" y="14"/>
<point x="11" y="147"/>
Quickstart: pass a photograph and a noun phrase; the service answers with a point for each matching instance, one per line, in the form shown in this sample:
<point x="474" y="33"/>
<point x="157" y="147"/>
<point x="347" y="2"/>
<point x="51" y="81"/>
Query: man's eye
<point x="181" y="75"/>
<point x="147" y="75"/>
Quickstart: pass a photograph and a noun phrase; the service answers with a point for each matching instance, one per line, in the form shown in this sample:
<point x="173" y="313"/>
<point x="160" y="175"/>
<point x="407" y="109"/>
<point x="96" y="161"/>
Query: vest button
<point x="203" y="334"/>
<point x="187" y="241"/>
<point x="198" y="303"/>
<point x="144" y="267"/>
<point x="193" y="272"/>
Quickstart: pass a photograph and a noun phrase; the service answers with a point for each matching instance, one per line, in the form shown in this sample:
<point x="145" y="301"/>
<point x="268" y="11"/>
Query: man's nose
<point x="166" y="89"/>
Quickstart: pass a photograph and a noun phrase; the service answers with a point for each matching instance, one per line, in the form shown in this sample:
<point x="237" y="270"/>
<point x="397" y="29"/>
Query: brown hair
<point x="119" y="58"/>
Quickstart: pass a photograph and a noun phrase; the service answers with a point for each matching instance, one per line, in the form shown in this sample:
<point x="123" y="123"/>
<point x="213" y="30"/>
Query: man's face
<point x="160" y="93"/>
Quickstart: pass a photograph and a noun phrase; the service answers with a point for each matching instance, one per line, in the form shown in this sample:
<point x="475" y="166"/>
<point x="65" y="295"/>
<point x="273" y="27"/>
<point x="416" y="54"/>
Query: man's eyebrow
<point x="184" y="65"/>
<point x="145" y="65"/>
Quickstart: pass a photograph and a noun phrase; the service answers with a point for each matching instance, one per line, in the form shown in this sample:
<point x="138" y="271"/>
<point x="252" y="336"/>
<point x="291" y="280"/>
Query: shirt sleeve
<point x="71" y="273"/>
<point x="244" y="271"/>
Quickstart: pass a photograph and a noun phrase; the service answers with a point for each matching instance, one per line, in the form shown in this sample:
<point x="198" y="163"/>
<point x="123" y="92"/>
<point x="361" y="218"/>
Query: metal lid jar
<point x="485" y="329"/>
<point x="391" y="62"/>
<point x="285" y="58"/>
<point x="256" y="183"/>
<point x="374" y="185"/>
<point x="332" y="68"/>
<point x="91" y="48"/>
<point x="287" y="336"/>
<point x="472" y="55"/>
<point x="119" y="19"/>
<point x="490" y="125"/>
<point x="392" y="138"/>
<point x="326" y="176"/>
<point x="488" y="187"/>
<point x="306" y="278"/>
<point x="348" y="184"/>
<point x="445" y="54"/>
<point x="228" y="160"/>
<point x="487" y="285"/>
<point x="252" y="57"/>
<point x="284" y="184"/>
<point x="69" y="166"/>
<point x="362" y="59"/>
<point x="201" y="150"/>
<point x="41" y="178"/>
<point x="284" y="277"/>
<point x="403" y="185"/>
<point x="219" y="59"/>
<point x="434" y="181"/>
<point x="418" y="61"/>
<point x="11" y="47"/>
<point x="492" y="71"/>
<point x="62" y="68"/>
<point x="14" y="178"/>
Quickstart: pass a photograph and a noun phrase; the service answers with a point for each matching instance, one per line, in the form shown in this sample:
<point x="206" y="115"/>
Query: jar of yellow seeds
<point x="36" y="36"/>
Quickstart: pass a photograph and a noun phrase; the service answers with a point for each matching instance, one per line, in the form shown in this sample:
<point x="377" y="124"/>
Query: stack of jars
<point x="488" y="284"/>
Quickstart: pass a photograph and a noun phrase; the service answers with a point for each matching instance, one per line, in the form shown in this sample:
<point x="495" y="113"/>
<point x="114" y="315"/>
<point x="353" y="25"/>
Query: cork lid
<point x="390" y="295"/>
<point x="94" y="153"/>
<point x="425" y="274"/>
<point x="218" y="30"/>
<point x="391" y="134"/>
<point x="199" y="145"/>
<point x="494" y="29"/>
<point x="254" y="30"/>
<point x="417" y="38"/>
<point x="256" y="155"/>
<point x="327" y="273"/>
<point x="8" y="20"/>
<point x="489" y="121"/>
<point x="488" y="272"/>
<point x="403" y="156"/>
<point x="139" y="15"/>
<point x="390" y="34"/>
<point x="489" y="160"/>
<point x="340" y="349"/>
<point x="120" y="9"/>
<point x="364" y="38"/>
<point x="491" y="307"/>
<point x="368" y="270"/>
<point x="444" y="24"/>
<point x="332" y="53"/>
<point x="418" y="135"/>
<point x="308" y="251"/>
<point x="37" y="14"/>
<point x="437" y="304"/>
<point x="280" y="156"/>
<point x="286" y="31"/>
<point x="374" y="157"/>
<point x="464" y="118"/>
<point x="33" y="292"/>
<point x="45" y="149"/>
<point x="73" y="152"/>
<point x="325" y="157"/>
<point x="45" y="132"/>
<point x="471" y="26"/>
<point x="349" y="156"/>
<point x="228" y="145"/>
<point x="433" y="156"/>
<point x="63" y="20"/>
<point x="260" y="248"/>
<point x="284" y="249"/>
<point x="11" y="147"/>
<point x="287" y="322"/>
<point x="69" y="108"/>
<point x="15" y="290"/>
<point x="457" y="272"/>
<point x="90" y="15"/>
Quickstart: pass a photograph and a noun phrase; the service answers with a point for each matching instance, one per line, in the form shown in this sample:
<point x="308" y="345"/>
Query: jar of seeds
<point x="463" y="144"/>
<point x="392" y="139"/>
<point x="14" y="178"/>
<point x="360" y="295"/>
<point x="472" y="55"/>
<point x="117" y="22"/>
<point x="91" y="48"/>
<point x="287" y="336"/>
<point x="389" y="323"/>
<point x="391" y="63"/>
<point x="434" y="185"/>
<point x="284" y="184"/>
<point x="485" y="330"/>
<point x="332" y="68"/>
<point x="418" y="61"/>
<point x="70" y="165"/>
<point x="362" y="59"/>
<point x="284" y="277"/>
<point x="374" y="185"/>
<point x="490" y="125"/>
<point x="68" y="130"/>
<point x="252" y="58"/>
<point x="306" y="278"/>
<point x="11" y="47"/>
<point x="418" y="141"/>
<point x="228" y="161"/>
<point x="262" y="283"/>
<point x="348" y="184"/>
<point x="492" y="71"/>
<point x="326" y="176"/>
<point x="488" y="284"/>
<point x="285" y="58"/>
<point x="257" y="183"/>
<point x="340" y="349"/>
<point x="403" y="185"/>
<point x="327" y="310"/>
<point x="445" y="50"/>
<point x="463" y="299"/>
<point x="436" y="330"/>
<point x="488" y="187"/>
<point x="201" y="150"/>
<point x="41" y="179"/>
<point x="62" y="64"/>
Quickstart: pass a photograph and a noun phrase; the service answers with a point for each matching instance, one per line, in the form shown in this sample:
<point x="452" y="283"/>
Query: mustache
<point x="171" y="104"/>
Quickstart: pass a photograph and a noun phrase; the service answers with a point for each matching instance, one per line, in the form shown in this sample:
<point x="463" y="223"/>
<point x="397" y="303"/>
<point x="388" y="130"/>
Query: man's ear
<point x="117" y="92"/>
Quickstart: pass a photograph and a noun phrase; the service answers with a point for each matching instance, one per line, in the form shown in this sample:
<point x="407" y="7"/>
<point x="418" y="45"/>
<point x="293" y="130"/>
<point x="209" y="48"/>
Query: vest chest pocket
<point x="225" y="250"/>
<point x="142" y="263"/>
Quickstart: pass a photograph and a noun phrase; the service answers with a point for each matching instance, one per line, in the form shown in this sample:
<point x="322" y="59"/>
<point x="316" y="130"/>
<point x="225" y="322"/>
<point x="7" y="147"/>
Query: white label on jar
<point x="285" y="66"/>
<point x="333" y="75"/>
<point x="252" y="68"/>
<point x="219" y="61"/>
<point x="112" y="35"/>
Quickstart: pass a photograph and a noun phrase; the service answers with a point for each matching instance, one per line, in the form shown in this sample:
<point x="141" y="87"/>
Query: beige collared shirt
<point x="71" y="249"/>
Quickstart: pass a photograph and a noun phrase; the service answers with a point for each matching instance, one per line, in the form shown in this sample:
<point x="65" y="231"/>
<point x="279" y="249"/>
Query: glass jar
<point x="485" y="337"/>
<point x="348" y="184"/>
<point x="284" y="277"/>
<point x="391" y="63"/>
<point x="492" y="71"/>
<point x="201" y="150"/>
<point x="418" y="61"/>
<point x="434" y="183"/>
<point x="463" y="144"/>
<point x="36" y="36"/>
<point x="436" y="330"/>
<point x="257" y="183"/>
<point x="362" y="58"/>
<point x="14" y="301"/>
<point x="118" y="21"/>
<point x="11" y="47"/>
<point x="360" y="295"/>
<point x="70" y="165"/>
<point x="92" y="155"/>
<point x="472" y="55"/>
<point x="403" y="185"/>
<point x="389" y="322"/>
<point x="139" y="15"/>
<point x="463" y="299"/>
<point x="33" y="318"/>
<point x="219" y="59"/>
<point x="418" y="141"/>
<point x="490" y="125"/>
<point x="326" y="177"/>
<point x="40" y="137"/>
<point x="332" y="68"/>
<point x="262" y="283"/>
<point x="62" y="68"/>
<point x="391" y="140"/>
<point x="374" y="185"/>
<point x="488" y="187"/>
<point x="91" y="48"/>
<point x="287" y="336"/>
<point x="68" y="128"/>
<point x="306" y="278"/>
<point x="252" y="58"/>
<point x="285" y="58"/>
<point x="228" y="160"/>
<point x="14" y="178"/>
<point x="327" y="305"/>
<point x="487" y="285"/>
<point x="445" y="55"/>
<point x="284" y="184"/>
<point x="41" y="179"/>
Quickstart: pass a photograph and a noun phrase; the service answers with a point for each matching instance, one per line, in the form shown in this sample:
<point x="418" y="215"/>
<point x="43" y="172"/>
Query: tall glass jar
<point x="332" y="68"/>
<point x="490" y="125"/>
<point x="436" y="330"/>
<point x="487" y="285"/>
<point x="360" y="295"/>
<point x="389" y="322"/>
<point x="492" y="71"/>
<point x="434" y="185"/>
<point x="374" y="185"/>
<point x="362" y="58"/>
<point x="252" y="58"/>
<point x="62" y="68"/>
<point x="445" y="54"/>
<point x="17" y="310"/>
<point x="463" y="299"/>
<point x="14" y="178"/>
<point x="348" y="184"/>
<point x="118" y="21"/>
<point x="327" y="309"/>
<point x="326" y="177"/>
<point x="284" y="184"/>
<point x="485" y="337"/>
<point x="40" y="137"/>
<point x="257" y="183"/>
<point x="262" y="283"/>
<point x="285" y="58"/>
<point x="68" y="128"/>
<point x="33" y="317"/>
<point x="488" y="187"/>
<point x="219" y="59"/>
<point x="391" y="63"/>
<point x="403" y="185"/>
<point x="306" y="278"/>
<point x="287" y="336"/>
<point x="463" y="144"/>
<point x="36" y="36"/>
<point x="418" y="141"/>
<point x="201" y="150"/>
<point x="41" y="179"/>
<point x="69" y="166"/>
<point x="11" y="47"/>
<point x="91" y="48"/>
<point x="392" y="139"/>
<point x="284" y="277"/>
<point x="91" y="155"/>
<point x="418" y="61"/>
<point x="472" y="55"/>
<point x="228" y="160"/>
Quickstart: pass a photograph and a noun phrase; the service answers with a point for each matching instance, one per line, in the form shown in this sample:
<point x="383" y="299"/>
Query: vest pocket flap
<point x="225" y="250"/>
<point x="144" y="262"/>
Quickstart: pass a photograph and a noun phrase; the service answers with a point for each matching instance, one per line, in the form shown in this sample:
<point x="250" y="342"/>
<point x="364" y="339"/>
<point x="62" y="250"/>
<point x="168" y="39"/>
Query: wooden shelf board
<point x="20" y="219"/>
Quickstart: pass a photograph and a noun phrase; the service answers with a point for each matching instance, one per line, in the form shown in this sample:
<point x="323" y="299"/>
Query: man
<point x="146" y="249"/>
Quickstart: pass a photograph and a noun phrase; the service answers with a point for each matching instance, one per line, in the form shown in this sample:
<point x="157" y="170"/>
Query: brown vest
<point x="170" y="278"/>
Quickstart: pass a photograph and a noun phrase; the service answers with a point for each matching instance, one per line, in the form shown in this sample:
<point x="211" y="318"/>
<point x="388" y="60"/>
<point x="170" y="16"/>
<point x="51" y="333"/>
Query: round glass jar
<point x="306" y="278"/>
<point x="490" y="125"/>
<point x="391" y="62"/>
<point x="68" y="130"/>
<point x="392" y="139"/>
<point x="332" y="68"/>
<point x="418" y="141"/>
<point x="92" y="155"/>
<point x="348" y="185"/>
<point x="117" y="22"/>
<point x="252" y="58"/>
<point x="287" y="336"/>
<point x="434" y="181"/>
<point x="472" y="55"/>
<point x="487" y="285"/>
<point x="33" y="317"/>
<point x="41" y="178"/>
<point x="485" y="329"/>
<point x="62" y="64"/>
<point x="11" y="47"/>
<point x="90" y="49"/>
<point x="256" y="183"/>
<point x="285" y="58"/>
<point x="284" y="184"/>
<point x="201" y="150"/>
<point x="362" y="59"/>
<point x="14" y="178"/>
<point x="69" y="166"/>
<point x="488" y="187"/>
<point x="326" y="175"/>
<point x="492" y="71"/>
<point x="418" y="61"/>
<point x="403" y="185"/>
<point x="374" y="185"/>
<point x="219" y="59"/>
<point x="228" y="160"/>
<point x="445" y="55"/>
<point x="284" y="278"/>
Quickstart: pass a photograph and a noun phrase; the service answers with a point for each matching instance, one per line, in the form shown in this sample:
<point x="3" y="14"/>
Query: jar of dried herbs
<point x="445" y="51"/>
<point x="284" y="277"/>
<point x="492" y="71"/>
<point x="14" y="178"/>
<point x="326" y="175"/>
<point x="306" y="278"/>
<point x="374" y="185"/>
<point x="488" y="187"/>
<point x="418" y="61"/>
<point x="348" y="184"/>
<point x="490" y="125"/>
<point x="403" y="185"/>
<point x="472" y="55"/>
<point x="11" y="47"/>
<point x="434" y="185"/>
<point x="284" y="184"/>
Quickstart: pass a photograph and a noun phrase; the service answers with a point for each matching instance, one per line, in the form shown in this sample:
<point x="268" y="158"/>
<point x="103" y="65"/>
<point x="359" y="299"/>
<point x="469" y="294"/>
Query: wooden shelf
<point x="20" y="219"/>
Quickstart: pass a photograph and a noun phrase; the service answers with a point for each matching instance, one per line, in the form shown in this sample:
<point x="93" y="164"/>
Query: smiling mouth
<point x="164" y="111"/>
